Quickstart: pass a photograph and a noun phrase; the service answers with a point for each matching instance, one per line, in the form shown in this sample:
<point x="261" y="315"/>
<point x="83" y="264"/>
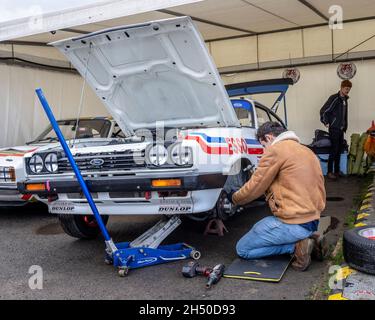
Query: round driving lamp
<point x="36" y="164"/>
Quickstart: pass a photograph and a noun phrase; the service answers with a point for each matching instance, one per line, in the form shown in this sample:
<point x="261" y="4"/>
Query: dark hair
<point x="270" y="127"/>
<point x="346" y="84"/>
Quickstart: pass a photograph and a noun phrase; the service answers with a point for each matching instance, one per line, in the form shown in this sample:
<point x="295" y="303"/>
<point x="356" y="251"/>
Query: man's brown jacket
<point x="291" y="177"/>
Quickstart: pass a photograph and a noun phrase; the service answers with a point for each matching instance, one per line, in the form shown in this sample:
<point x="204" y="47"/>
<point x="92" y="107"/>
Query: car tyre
<point x="81" y="226"/>
<point x="359" y="248"/>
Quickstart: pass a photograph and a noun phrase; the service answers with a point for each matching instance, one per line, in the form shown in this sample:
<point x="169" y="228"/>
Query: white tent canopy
<point x="24" y="18"/>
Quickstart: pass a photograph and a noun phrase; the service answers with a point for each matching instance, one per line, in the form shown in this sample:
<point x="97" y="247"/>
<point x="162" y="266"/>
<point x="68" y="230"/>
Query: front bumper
<point x="193" y="202"/>
<point x="10" y="196"/>
<point x="189" y="182"/>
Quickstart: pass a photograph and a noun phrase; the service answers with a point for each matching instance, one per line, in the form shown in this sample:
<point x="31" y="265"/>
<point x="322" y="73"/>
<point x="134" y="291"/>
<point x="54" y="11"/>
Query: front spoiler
<point x="194" y="202"/>
<point x="126" y="184"/>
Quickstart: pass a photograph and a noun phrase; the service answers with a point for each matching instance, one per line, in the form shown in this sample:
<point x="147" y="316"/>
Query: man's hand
<point x="230" y="196"/>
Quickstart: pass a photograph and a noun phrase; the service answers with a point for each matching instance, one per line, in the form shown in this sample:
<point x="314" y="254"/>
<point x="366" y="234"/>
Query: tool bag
<point x="322" y="144"/>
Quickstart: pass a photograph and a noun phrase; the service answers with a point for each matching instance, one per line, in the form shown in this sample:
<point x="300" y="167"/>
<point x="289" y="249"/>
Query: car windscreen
<point x="87" y="128"/>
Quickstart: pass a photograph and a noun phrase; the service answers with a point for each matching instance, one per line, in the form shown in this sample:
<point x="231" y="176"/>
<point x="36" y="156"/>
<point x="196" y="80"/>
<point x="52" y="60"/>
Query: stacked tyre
<point x="359" y="248"/>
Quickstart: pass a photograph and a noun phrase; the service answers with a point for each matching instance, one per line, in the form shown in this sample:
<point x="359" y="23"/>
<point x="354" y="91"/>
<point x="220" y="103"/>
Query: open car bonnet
<point x="153" y="72"/>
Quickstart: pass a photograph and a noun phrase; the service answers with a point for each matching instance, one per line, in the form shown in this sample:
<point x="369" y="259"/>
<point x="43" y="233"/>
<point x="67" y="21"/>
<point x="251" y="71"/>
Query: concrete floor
<point x="74" y="269"/>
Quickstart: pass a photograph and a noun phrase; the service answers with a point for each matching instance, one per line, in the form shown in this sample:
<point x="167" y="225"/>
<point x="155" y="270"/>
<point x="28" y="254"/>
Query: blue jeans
<point x="269" y="237"/>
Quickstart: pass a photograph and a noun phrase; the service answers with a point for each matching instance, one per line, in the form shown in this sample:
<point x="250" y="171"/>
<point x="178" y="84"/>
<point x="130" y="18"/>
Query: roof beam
<point x="314" y="9"/>
<point x="289" y="29"/>
<point x="75" y="31"/>
<point x="269" y="12"/>
<point x="25" y="43"/>
<point x="216" y="24"/>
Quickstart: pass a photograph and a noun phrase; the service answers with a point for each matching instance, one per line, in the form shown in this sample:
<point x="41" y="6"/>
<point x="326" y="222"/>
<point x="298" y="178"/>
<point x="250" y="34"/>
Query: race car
<point x="189" y="140"/>
<point x="11" y="159"/>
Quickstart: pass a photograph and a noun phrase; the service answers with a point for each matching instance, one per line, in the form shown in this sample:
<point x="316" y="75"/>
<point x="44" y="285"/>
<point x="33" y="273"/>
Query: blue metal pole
<point x="76" y="170"/>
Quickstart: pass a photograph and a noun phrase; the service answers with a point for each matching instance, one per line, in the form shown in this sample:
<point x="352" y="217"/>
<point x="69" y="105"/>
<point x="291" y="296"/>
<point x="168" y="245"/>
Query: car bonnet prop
<point x="144" y="251"/>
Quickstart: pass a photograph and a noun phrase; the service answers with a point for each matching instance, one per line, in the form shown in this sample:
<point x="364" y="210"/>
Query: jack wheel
<point x="123" y="272"/>
<point x="195" y="254"/>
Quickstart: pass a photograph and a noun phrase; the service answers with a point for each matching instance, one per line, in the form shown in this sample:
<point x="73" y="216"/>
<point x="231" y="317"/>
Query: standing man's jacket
<point x="335" y="112"/>
<point x="291" y="176"/>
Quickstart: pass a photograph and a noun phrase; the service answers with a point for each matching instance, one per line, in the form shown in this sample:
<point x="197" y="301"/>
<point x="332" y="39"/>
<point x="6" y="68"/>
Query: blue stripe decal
<point x="210" y="139"/>
<point x="253" y="141"/>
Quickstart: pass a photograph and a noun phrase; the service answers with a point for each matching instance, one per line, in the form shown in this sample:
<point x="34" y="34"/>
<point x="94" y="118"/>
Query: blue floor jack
<point x="146" y="249"/>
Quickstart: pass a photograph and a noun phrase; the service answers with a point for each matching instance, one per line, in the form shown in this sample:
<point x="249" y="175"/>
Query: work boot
<point x="302" y="254"/>
<point x="321" y="247"/>
<point x="340" y="175"/>
<point x="331" y="176"/>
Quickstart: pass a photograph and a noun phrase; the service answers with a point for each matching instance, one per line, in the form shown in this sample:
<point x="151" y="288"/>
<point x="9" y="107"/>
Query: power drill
<point x="192" y="269"/>
<point x="215" y="275"/>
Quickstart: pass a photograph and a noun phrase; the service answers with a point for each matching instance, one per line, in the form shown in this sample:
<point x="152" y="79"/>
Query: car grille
<point x="101" y="162"/>
<point x="7" y="175"/>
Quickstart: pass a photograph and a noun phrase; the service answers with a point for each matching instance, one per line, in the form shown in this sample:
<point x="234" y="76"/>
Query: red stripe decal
<point x="220" y="150"/>
<point x="14" y="154"/>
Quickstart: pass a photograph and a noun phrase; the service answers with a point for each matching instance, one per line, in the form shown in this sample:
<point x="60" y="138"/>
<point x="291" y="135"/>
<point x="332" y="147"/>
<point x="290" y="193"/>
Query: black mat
<point x="269" y="269"/>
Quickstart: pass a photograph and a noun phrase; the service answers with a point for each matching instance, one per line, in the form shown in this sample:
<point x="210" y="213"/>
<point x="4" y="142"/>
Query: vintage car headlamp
<point x="181" y="156"/>
<point x="50" y="162"/>
<point x="157" y="155"/>
<point x="36" y="164"/>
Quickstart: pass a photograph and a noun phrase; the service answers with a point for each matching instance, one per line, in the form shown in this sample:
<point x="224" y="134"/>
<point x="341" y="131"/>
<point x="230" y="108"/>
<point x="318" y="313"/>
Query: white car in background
<point x="148" y="76"/>
<point x="12" y="159"/>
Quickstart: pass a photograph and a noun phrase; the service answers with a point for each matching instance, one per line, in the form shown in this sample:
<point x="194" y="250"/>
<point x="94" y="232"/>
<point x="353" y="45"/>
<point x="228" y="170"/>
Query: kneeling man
<point x="291" y="177"/>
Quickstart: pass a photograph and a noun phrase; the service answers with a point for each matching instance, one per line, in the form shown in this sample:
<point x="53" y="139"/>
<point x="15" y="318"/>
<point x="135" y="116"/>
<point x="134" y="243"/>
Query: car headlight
<point x="158" y="155"/>
<point x="36" y="164"/>
<point x="50" y="162"/>
<point x="181" y="156"/>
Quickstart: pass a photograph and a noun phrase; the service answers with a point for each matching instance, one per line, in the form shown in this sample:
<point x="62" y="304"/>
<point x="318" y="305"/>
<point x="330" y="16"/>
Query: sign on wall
<point x="292" y="73"/>
<point x="346" y="70"/>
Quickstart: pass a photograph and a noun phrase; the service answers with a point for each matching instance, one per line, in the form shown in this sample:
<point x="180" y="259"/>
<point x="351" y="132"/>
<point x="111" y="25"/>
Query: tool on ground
<point x="193" y="269"/>
<point x="215" y="275"/>
<point x="216" y="227"/>
<point x="145" y="250"/>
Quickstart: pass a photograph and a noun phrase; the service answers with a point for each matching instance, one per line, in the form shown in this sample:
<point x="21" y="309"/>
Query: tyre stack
<point x="359" y="243"/>
<point x="358" y="275"/>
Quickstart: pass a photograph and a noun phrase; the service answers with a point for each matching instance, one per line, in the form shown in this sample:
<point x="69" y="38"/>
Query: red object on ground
<point x="215" y="226"/>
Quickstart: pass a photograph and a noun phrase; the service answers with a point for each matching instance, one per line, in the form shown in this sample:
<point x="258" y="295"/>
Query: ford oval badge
<point x="97" y="162"/>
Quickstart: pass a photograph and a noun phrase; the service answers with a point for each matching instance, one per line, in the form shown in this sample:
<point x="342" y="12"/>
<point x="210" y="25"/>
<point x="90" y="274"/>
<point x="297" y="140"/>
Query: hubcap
<point x="368" y="233"/>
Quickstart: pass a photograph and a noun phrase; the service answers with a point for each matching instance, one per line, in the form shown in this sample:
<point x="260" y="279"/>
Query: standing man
<point x="334" y="115"/>
<point x="290" y="175"/>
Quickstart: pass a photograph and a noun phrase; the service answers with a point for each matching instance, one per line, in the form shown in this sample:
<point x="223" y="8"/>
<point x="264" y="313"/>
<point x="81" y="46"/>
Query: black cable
<point x="38" y="64"/>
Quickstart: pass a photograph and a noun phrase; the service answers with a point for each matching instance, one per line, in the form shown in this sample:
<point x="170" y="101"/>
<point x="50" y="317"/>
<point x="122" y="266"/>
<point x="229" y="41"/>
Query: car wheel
<point x="224" y="208"/>
<point x="359" y="248"/>
<point x="81" y="226"/>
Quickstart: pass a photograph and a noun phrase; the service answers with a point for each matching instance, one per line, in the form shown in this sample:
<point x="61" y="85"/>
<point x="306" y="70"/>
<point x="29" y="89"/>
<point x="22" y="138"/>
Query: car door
<point x="245" y="112"/>
<point x="263" y="115"/>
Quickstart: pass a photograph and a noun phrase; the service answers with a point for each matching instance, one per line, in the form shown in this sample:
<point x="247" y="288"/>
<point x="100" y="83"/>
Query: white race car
<point x="187" y="144"/>
<point x="11" y="159"/>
